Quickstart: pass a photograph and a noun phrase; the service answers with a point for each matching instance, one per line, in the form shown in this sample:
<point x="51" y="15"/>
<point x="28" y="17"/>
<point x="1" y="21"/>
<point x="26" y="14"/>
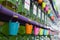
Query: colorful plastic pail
<point x="40" y="1"/>
<point x="22" y="30"/>
<point x="52" y="18"/>
<point x="48" y="32"/>
<point x="13" y="28"/>
<point x="51" y="14"/>
<point x="46" y="9"/>
<point x="45" y="32"/>
<point x="29" y="29"/>
<point x="43" y="5"/>
<point x="36" y="30"/>
<point x="41" y="31"/>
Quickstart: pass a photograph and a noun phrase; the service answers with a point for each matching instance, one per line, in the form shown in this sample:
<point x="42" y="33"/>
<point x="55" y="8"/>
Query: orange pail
<point x="29" y="29"/>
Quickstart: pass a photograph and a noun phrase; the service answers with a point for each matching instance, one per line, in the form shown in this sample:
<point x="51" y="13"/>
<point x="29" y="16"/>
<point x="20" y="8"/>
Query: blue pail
<point x="13" y="28"/>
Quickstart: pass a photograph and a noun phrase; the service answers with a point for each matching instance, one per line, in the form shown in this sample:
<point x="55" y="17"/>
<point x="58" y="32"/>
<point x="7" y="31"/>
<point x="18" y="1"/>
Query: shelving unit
<point x="9" y="15"/>
<point x="6" y="15"/>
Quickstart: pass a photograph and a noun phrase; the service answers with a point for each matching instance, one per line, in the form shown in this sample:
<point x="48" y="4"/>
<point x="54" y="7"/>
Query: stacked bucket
<point x="46" y="9"/>
<point x="27" y="29"/>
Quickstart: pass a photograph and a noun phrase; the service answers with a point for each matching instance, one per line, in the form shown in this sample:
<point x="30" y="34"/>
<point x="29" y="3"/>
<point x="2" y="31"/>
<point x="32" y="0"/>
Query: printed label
<point x="27" y="4"/>
<point x="34" y="9"/>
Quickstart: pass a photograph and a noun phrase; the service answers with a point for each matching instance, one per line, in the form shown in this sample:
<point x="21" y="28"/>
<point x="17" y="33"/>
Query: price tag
<point x="29" y="20"/>
<point x="27" y="4"/>
<point x="15" y="16"/>
<point x="34" y="9"/>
